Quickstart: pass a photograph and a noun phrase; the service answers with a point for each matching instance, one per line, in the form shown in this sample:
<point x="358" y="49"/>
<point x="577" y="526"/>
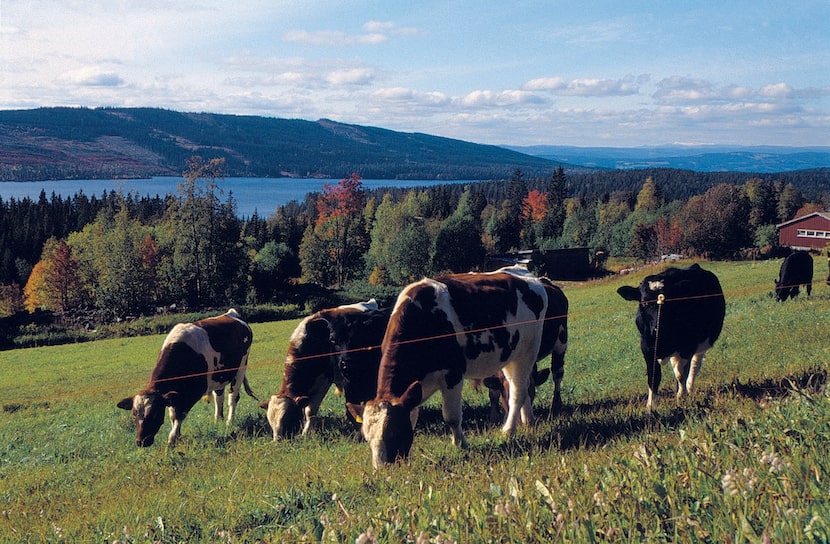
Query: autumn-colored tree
<point x="669" y="236"/>
<point x="715" y="222"/>
<point x="808" y="208"/>
<point x="53" y="283"/>
<point x="534" y="209"/>
<point x="534" y="206"/>
<point x="339" y="233"/>
<point x="34" y="293"/>
<point x="11" y="299"/>
<point x="649" y="198"/>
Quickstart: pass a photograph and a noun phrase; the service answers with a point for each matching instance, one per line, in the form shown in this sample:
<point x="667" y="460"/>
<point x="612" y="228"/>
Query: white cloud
<point x="488" y="98"/>
<point x="354" y="76"/>
<point x="389" y="28"/>
<point x="589" y="87"/>
<point x="332" y="38"/>
<point x="91" y="76"/>
<point x="776" y="91"/>
<point x="403" y="94"/>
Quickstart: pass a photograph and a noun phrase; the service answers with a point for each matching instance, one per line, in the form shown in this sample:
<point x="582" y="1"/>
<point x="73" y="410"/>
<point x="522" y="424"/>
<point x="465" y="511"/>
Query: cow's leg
<point x="451" y="410"/>
<point x="518" y="378"/>
<point x="809" y="289"/>
<point x="496" y="404"/>
<point x="218" y="406"/>
<point x="680" y="365"/>
<point x="233" y="399"/>
<point x="176" y="420"/>
<point x="557" y="367"/>
<point x="310" y="417"/>
<point x="694" y="369"/>
<point x="654" y="375"/>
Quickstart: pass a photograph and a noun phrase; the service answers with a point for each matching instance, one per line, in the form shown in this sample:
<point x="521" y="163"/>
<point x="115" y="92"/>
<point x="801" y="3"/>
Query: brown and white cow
<point x="195" y="359"/>
<point x="453" y="327"/>
<point x="334" y="346"/>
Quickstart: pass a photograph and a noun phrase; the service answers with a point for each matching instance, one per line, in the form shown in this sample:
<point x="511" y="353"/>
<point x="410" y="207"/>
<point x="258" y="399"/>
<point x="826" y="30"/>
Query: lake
<point x="262" y="195"/>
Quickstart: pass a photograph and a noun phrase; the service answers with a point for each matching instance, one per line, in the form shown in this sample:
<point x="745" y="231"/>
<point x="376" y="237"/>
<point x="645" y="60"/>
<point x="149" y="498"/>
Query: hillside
<point x="703" y="158"/>
<point x="78" y="143"/>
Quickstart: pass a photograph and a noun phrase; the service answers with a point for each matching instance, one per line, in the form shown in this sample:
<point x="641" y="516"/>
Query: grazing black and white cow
<point x="554" y="338"/>
<point x="453" y="327"/>
<point x="680" y="317"/>
<point x="334" y="346"/>
<point x="796" y="270"/>
<point x="195" y="359"/>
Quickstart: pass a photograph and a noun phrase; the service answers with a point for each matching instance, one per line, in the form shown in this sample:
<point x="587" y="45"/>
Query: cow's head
<point x="147" y="408"/>
<point x="387" y="425"/>
<point x="648" y="295"/>
<point x="285" y="415"/>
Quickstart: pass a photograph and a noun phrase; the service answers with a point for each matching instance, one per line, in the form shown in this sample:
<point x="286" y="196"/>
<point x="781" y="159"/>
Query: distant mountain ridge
<point x="78" y="143"/>
<point x="707" y="158"/>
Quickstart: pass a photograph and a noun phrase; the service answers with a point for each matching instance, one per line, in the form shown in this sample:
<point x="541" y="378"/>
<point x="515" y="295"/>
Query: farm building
<point x="559" y="264"/>
<point x="811" y="231"/>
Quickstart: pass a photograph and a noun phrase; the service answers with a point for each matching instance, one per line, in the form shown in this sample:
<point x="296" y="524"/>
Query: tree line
<point x="122" y="255"/>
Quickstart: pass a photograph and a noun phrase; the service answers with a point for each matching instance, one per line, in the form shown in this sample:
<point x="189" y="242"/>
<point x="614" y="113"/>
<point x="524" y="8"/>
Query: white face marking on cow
<point x="655" y="285"/>
<point x="284" y="416"/>
<point x="375" y="420"/>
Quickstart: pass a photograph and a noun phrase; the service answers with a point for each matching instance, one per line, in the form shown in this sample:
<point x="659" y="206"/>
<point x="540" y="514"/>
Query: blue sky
<point x="606" y="73"/>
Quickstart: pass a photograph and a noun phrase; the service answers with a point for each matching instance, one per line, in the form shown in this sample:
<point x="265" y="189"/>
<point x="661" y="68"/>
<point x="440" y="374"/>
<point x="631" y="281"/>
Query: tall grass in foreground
<point x="745" y="460"/>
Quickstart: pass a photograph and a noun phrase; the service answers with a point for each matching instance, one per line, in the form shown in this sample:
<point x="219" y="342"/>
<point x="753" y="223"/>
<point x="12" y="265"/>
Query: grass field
<point x="746" y="460"/>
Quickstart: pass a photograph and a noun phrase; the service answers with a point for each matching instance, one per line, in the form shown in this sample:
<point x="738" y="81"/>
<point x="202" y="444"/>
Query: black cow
<point x="796" y="270"/>
<point x="680" y="316"/>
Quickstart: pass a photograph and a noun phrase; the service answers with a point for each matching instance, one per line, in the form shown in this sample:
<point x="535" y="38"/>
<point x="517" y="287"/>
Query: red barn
<point x="811" y="231"/>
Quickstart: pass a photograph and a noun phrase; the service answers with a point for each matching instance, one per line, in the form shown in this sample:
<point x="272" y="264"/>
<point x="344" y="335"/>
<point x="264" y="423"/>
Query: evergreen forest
<point x="118" y="255"/>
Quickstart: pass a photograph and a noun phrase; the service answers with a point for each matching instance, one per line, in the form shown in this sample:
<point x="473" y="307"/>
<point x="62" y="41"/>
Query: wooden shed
<point x="811" y="231"/>
<point x="558" y="264"/>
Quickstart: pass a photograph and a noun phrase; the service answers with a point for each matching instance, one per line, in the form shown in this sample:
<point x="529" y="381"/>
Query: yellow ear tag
<point x="358" y="419"/>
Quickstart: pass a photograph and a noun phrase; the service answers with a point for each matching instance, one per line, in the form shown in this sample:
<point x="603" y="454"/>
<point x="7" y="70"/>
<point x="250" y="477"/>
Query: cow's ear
<point x="126" y="404"/>
<point x="170" y="397"/>
<point x="411" y="398"/>
<point x="302" y="402"/>
<point x="629" y="293"/>
<point x="356" y="410"/>
<point x="317" y="328"/>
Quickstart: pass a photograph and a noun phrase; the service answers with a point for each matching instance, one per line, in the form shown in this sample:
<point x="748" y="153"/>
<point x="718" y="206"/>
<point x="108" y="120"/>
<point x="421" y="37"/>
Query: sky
<point x="606" y="73"/>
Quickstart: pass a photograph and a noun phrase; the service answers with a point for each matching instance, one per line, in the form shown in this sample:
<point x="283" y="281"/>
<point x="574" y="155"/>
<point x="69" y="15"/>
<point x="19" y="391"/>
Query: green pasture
<point x="745" y="460"/>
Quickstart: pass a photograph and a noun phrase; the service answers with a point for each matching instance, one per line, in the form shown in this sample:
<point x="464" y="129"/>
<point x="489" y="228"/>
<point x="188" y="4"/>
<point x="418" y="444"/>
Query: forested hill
<point x="66" y="143"/>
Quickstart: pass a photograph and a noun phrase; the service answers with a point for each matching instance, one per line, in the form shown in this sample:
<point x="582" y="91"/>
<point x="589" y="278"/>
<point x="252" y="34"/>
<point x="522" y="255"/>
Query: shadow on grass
<point x="595" y="424"/>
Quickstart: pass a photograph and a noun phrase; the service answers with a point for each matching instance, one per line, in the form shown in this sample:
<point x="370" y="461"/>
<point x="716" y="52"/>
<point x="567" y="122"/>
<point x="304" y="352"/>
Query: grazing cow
<point x="680" y="317"/>
<point x="453" y="327"/>
<point x="498" y="390"/>
<point x="195" y="358"/>
<point x="332" y="346"/>
<point x="796" y="270"/>
<point x="554" y="343"/>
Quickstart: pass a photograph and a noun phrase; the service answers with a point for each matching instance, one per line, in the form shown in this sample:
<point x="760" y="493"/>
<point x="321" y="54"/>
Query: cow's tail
<point x="248" y="388"/>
